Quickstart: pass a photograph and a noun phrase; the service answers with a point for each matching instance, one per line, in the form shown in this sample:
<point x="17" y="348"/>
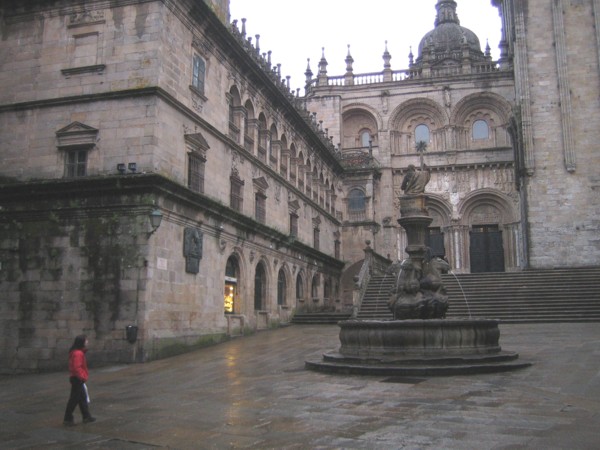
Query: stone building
<point x="162" y="188"/>
<point x="116" y="114"/>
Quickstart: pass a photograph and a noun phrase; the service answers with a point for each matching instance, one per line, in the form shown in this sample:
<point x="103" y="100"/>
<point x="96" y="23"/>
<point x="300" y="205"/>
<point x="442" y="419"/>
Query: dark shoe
<point x="68" y="423"/>
<point x="89" y="420"/>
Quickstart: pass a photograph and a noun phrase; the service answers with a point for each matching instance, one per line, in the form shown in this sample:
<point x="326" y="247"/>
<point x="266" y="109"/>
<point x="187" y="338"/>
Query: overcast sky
<point x="295" y="30"/>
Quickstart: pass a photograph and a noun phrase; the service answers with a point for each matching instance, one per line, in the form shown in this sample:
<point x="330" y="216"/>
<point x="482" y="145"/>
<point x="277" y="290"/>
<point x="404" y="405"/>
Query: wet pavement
<point x="254" y="392"/>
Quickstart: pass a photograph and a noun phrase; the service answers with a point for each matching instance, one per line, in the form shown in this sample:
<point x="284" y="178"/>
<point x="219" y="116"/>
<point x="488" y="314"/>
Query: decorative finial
<point x="386" y="58"/>
<point x="349" y="60"/>
<point x="308" y="72"/>
<point x="323" y="63"/>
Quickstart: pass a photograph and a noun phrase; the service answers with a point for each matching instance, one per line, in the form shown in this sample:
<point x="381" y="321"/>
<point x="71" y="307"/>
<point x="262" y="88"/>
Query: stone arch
<point x="234" y="96"/>
<point x="300" y="290"/>
<point x="484" y="100"/>
<point x="250" y="113"/>
<point x="358" y="119"/>
<point x="489" y="107"/>
<point x="240" y="284"/>
<point x="488" y="216"/>
<point x="408" y="116"/>
<point x="315" y="285"/>
<point x="440" y="210"/>
<point x="438" y="233"/>
<point x="289" y="285"/>
<point x="471" y="207"/>
<point x="261" y="293"/>
<point x="417" y="106"/>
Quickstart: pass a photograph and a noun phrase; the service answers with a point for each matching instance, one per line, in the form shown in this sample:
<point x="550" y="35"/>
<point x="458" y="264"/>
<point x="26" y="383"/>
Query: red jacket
<point x="78" y="364"/>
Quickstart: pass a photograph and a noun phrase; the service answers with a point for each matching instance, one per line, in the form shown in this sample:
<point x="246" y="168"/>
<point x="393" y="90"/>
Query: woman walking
<point x="78" y="376"/>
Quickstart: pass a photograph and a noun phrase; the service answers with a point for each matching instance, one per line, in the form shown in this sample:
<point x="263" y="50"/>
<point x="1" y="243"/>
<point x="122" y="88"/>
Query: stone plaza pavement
<point x="254" y="392"/>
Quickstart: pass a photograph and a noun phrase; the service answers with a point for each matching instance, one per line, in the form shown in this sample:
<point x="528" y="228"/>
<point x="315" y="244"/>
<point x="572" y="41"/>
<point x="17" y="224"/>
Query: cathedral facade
<point x="452" y="110"/>
<point x="162" y="188"/>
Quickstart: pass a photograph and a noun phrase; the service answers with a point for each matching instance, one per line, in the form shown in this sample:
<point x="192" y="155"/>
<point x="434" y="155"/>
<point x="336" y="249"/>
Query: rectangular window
<point x="316" y="238"/>
<point x="199" y="73"/>
<point x="196" y="173"/>
<point x="294" y="225"/>
<point x="236" y="195"/>
<point x="260" y="208"/>
<point x="76" y="163"/>
<point x="337" y="249"/>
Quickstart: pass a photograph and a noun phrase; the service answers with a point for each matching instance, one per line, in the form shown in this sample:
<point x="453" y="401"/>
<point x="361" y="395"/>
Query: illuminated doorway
<point x="231" y="283"/>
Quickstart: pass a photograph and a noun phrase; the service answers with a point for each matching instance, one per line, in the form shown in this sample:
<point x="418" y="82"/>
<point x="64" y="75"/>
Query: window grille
<point x="196" y="173"/>
<point x="76" y="163"/>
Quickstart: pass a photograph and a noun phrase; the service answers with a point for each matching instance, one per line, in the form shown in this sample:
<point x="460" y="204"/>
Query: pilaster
<point x="564" y="90"/>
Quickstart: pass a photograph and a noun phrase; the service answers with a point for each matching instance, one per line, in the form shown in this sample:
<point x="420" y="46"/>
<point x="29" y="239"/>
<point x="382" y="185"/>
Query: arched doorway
<point x="260" y="287"/>
<point x="314" y="290"/>
<point x="231" y="286"/>
<point x="281" y="288"/>
<point x="299" y="292"/>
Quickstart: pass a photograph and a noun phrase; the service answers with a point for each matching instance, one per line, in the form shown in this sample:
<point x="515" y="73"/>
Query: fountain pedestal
<point x="419" y="341"/>
<point x="418" y="348"/>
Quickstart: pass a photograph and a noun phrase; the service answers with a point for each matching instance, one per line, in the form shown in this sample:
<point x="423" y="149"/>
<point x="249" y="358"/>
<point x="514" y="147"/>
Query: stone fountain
<point x="419" y="340"/>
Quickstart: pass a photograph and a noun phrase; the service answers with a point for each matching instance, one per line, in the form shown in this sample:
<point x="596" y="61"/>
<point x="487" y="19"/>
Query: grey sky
<point x="295" y="30"/>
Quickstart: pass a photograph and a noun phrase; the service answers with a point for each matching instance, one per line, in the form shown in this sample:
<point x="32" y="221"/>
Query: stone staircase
<point x="319" y="318"/>
<point x="553" y="295"/>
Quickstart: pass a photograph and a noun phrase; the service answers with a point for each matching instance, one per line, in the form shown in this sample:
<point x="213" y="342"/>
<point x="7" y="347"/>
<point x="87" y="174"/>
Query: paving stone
<point x="253" y="393"/>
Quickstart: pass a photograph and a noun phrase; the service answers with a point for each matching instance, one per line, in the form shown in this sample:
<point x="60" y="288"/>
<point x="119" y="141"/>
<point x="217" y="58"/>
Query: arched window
<point x="481" y="130"/>
<point x="299" y="287"/>
<point x="356" y="204"/>
<point x="281" y="288"/>
<point x="365" y="138"/>
<point x="260" y="287"/>
<point x="314" y="291"/>
<point x="422" y="134"/>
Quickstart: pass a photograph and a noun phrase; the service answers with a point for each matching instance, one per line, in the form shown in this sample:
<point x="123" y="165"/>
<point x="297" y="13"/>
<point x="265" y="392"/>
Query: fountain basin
<point x="418" y="347"/>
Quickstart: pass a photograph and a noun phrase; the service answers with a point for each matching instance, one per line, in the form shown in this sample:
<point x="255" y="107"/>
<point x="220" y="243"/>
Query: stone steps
<point x="320" y="318"/>
<point x="553" y="295"/>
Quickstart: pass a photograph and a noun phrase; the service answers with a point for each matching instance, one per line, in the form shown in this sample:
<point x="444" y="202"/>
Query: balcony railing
<point x="411" y="74"/>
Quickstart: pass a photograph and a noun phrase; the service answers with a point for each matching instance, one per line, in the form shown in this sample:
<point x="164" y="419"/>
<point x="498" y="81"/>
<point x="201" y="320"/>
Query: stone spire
<point x="349" y="60"/>
<point x="387" y="67"/>
<point x="349" y="75"/>
<point x="308" y="72"/>
<point x="322" y="76"/>
<point x="386" y="58"/>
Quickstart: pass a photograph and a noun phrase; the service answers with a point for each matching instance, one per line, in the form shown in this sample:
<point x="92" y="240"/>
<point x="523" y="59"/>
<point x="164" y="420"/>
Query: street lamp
<point x="155" y="220"/>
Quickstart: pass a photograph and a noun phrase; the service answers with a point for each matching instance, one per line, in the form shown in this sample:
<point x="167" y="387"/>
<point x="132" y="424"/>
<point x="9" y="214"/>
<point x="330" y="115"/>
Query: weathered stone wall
<point x="563" y="201"/>
<point x="69" y="265"/>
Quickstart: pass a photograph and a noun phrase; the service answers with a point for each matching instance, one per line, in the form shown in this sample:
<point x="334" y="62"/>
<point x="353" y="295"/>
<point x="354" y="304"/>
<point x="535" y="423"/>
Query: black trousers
<point x="77" y="397"/>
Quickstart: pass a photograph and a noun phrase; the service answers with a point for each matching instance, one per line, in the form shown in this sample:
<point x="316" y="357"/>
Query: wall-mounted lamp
<point x="132" y="167"/>
<point x="121" y="168"/>
<point x="155" y="220"/>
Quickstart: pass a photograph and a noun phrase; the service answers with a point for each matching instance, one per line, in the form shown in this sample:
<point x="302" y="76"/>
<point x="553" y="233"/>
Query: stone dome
<point x="448" y="38"/>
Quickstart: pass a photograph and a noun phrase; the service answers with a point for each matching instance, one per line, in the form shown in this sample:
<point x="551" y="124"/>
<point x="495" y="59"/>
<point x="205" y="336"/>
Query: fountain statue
<point x="419" y="340"/>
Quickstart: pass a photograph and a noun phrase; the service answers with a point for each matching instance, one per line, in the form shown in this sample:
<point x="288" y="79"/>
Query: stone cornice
<point x="97" y="192"/>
